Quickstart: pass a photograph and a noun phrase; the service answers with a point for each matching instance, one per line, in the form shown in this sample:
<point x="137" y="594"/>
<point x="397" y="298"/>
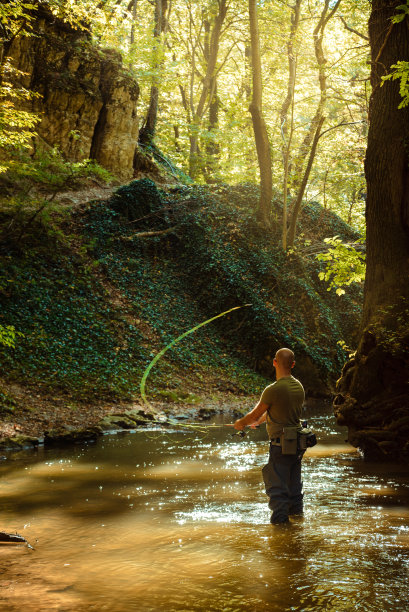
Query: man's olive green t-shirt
<point x="285" y="399"/>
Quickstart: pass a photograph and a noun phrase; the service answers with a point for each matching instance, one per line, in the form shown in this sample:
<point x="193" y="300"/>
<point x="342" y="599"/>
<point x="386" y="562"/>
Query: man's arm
<point x="261" y="420"/>
<point x="254" y="417"/>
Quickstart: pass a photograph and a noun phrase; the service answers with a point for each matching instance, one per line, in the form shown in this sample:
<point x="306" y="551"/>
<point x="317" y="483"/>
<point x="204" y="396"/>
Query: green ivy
<point x="96" y="309"/>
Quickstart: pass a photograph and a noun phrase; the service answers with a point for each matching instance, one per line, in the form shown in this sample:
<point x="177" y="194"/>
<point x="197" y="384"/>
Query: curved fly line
<point x="175" y="341"/>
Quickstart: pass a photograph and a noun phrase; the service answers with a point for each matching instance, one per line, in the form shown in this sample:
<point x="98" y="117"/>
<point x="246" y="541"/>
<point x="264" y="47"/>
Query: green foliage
<point x="31" y="183"/>
<point x="48" y="168"/>
<point x="93" y="334"/>
<point x="345" y="348"/>
<point x="138" y="200"/>
<point x="7" y="403"/>
<point x="72" y="337"/>
<point x="16" y="124"/>
<point x="8" y="335"/>
<point x="400" y="71"/>
<point x="222" y="256"/>
<point x="391" y="328"/>
<point x="177" y="64"/>
<point x="344" y="265"/>
<point x="404" y="11"/>
<point x="17" y="19"/>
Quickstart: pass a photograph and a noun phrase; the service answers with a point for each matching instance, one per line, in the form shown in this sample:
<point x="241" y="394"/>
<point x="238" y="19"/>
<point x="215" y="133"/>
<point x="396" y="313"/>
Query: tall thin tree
<point x="259" y="124"/>
<point x="309" y="146"/>
<point x="147" y="131"/>
<point x="287" y="127"/>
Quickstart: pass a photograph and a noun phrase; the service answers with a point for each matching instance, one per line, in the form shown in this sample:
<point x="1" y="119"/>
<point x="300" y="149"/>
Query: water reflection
<point x="154" y="522"/>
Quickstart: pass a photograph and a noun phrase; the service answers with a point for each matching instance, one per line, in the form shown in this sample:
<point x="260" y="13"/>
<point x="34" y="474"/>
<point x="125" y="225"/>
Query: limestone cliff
<point x="87" y="102"/>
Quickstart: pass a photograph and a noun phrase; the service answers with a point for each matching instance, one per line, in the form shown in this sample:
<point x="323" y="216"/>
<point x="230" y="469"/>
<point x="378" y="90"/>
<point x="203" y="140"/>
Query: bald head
<point x="285" y="359"/>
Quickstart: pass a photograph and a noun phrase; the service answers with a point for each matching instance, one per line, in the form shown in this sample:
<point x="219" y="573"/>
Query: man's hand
<point x="253" y="418"/>
<point x="239" y="424"/>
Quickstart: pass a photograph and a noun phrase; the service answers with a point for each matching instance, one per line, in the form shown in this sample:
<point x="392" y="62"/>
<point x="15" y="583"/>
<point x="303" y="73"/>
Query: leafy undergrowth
<point x="96" y="297"/>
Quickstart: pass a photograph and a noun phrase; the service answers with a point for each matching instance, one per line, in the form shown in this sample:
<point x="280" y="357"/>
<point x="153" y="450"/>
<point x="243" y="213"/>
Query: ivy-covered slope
<point x="97" y="295"/>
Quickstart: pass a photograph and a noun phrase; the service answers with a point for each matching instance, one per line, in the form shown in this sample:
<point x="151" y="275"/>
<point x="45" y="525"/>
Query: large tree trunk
<point x="373" y="392"/>
<point x="259" y="125"/>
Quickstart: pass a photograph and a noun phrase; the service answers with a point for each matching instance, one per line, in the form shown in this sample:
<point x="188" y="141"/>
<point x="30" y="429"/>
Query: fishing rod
<point x="198" y="427"/>
<point x="240" y="432"/>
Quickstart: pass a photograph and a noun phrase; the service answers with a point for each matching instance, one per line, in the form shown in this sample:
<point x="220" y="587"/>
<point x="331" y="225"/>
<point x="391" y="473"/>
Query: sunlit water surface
<point x="151" y="521"/>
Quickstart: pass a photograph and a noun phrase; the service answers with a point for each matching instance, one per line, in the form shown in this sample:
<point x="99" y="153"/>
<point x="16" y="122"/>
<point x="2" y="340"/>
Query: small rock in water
<point x="18" y="442"/>
<point x="116" y="421"/>
<point x="56" y="437"/>
<point x="11" y="538"/>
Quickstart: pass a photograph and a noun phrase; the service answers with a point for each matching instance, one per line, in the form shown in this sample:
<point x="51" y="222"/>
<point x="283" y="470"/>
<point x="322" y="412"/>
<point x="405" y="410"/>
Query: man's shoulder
<point x="288" y="384"/>
<point x="295" y="380"/>
<point x="270" y="386"/>
<point x="289" y="380"/>
<point x="268" y="392"/>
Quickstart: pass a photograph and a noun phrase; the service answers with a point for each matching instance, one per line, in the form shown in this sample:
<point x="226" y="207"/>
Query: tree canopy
<point x="193" y="62"/>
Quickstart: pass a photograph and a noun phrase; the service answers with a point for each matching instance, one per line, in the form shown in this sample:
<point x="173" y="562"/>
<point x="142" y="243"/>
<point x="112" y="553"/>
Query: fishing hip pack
<point x="294" y="439"/>
<point x="306" y="438"/>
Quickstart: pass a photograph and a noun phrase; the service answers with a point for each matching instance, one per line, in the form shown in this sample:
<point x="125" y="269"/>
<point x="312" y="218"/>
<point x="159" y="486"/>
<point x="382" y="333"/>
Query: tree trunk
<point x="259" y="125"/>
<point x="147" y="131"/>
<point x="301" y="190"/>
<point x="309" y="145"/>
<point x="373" y="392"/>
<point x="287" y="134"/>
<point x="247" y="72"/>
<point x="134" y="6"/>
<point x="176" y="140"/>
<point x="292" y="64"/>
<point x="212" y="145"/>
<point x="206" y="94"/>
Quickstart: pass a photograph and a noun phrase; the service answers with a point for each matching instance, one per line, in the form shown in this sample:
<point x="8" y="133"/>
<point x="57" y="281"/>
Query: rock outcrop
<point x="87" y="101"/>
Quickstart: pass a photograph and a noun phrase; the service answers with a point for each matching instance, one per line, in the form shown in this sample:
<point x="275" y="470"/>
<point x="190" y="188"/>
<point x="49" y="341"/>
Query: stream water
<point x="179" y="521"/>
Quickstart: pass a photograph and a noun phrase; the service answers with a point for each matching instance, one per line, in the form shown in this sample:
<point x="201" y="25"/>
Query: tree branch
<point x="347" y="27"/>
<point x="334" y="127"/>
<point x="169" y="230"/>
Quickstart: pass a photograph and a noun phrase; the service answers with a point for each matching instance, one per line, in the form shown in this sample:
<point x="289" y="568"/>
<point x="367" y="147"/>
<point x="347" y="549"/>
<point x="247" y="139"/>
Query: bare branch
<point x="350" y="29"/>
<point x="148" y="234"/>
<point x="334" y="127"/>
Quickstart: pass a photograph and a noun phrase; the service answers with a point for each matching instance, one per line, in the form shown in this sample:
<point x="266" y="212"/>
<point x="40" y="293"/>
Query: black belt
<point x="275" y="441"/>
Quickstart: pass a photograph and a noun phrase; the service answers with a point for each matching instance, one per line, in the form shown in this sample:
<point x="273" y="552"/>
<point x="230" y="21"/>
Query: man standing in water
<point x="280" y="406"/>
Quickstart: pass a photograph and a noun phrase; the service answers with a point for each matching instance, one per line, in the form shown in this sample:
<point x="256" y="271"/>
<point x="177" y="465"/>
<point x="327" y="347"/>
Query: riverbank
<point x="53" y="421"/>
